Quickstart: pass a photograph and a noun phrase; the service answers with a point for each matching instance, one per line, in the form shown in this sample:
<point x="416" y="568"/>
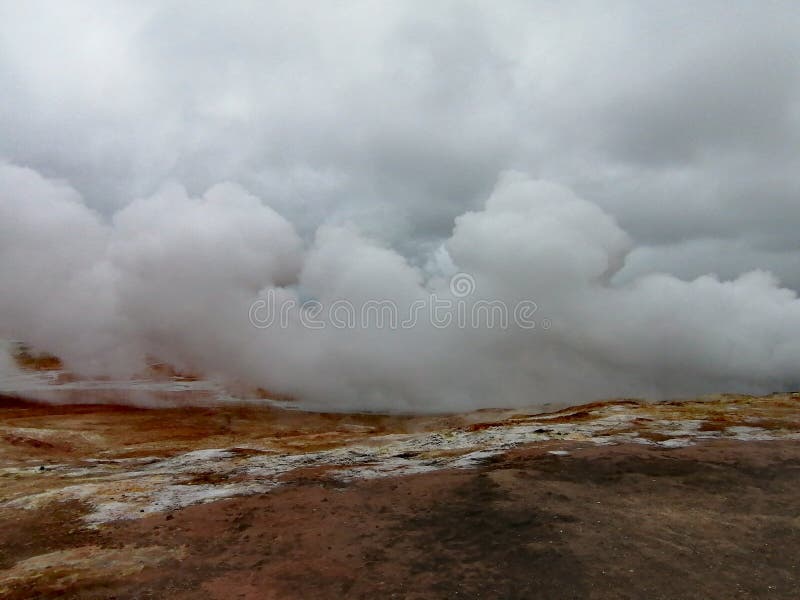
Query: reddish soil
<point x="716" y="520"/>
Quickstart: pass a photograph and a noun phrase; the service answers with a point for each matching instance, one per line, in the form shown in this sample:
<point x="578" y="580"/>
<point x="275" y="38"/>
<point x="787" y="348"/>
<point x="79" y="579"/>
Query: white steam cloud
<point x="175" y="276"/>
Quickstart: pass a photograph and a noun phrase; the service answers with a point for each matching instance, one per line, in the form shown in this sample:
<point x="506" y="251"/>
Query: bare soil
<point x="717" y="520"/>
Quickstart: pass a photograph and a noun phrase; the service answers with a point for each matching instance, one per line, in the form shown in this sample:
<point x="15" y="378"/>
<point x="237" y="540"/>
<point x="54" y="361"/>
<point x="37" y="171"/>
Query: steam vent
<point x="188" y="490"/>
<point x="399" y="299"/>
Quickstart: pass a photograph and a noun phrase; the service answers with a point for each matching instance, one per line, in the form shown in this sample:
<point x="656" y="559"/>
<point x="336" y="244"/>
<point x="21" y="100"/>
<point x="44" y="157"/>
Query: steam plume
<point x="176" y="276"/>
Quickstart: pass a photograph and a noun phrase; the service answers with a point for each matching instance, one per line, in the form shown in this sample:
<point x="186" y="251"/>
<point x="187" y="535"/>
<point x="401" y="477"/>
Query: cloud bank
<point x="631" y="169"/>
<point x="175" y="276"/>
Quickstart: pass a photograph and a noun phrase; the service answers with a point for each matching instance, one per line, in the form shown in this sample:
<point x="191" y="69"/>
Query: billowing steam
<point x="178" y="277"/>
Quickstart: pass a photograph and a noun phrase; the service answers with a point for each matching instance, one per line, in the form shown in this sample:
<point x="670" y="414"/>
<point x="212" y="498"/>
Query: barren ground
<point x="609" y="500"/>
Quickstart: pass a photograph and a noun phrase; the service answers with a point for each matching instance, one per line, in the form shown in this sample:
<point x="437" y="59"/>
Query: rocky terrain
<point x="617" y="499"/>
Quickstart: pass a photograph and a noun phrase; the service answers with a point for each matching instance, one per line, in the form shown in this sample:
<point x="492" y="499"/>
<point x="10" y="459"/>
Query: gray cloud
<point x="680" y="121"/>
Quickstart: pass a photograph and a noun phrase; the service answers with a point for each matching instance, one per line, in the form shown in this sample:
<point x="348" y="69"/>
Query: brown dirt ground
<point x="716" y="520"/>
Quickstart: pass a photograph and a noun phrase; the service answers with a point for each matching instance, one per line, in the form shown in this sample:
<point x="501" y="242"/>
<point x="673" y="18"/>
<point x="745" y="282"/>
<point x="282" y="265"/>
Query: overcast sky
<point x="681" y="119"/>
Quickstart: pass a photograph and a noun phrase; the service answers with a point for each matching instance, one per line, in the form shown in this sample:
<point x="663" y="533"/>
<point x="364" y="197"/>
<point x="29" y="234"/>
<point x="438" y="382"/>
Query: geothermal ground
<point x="619" y="499"/>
